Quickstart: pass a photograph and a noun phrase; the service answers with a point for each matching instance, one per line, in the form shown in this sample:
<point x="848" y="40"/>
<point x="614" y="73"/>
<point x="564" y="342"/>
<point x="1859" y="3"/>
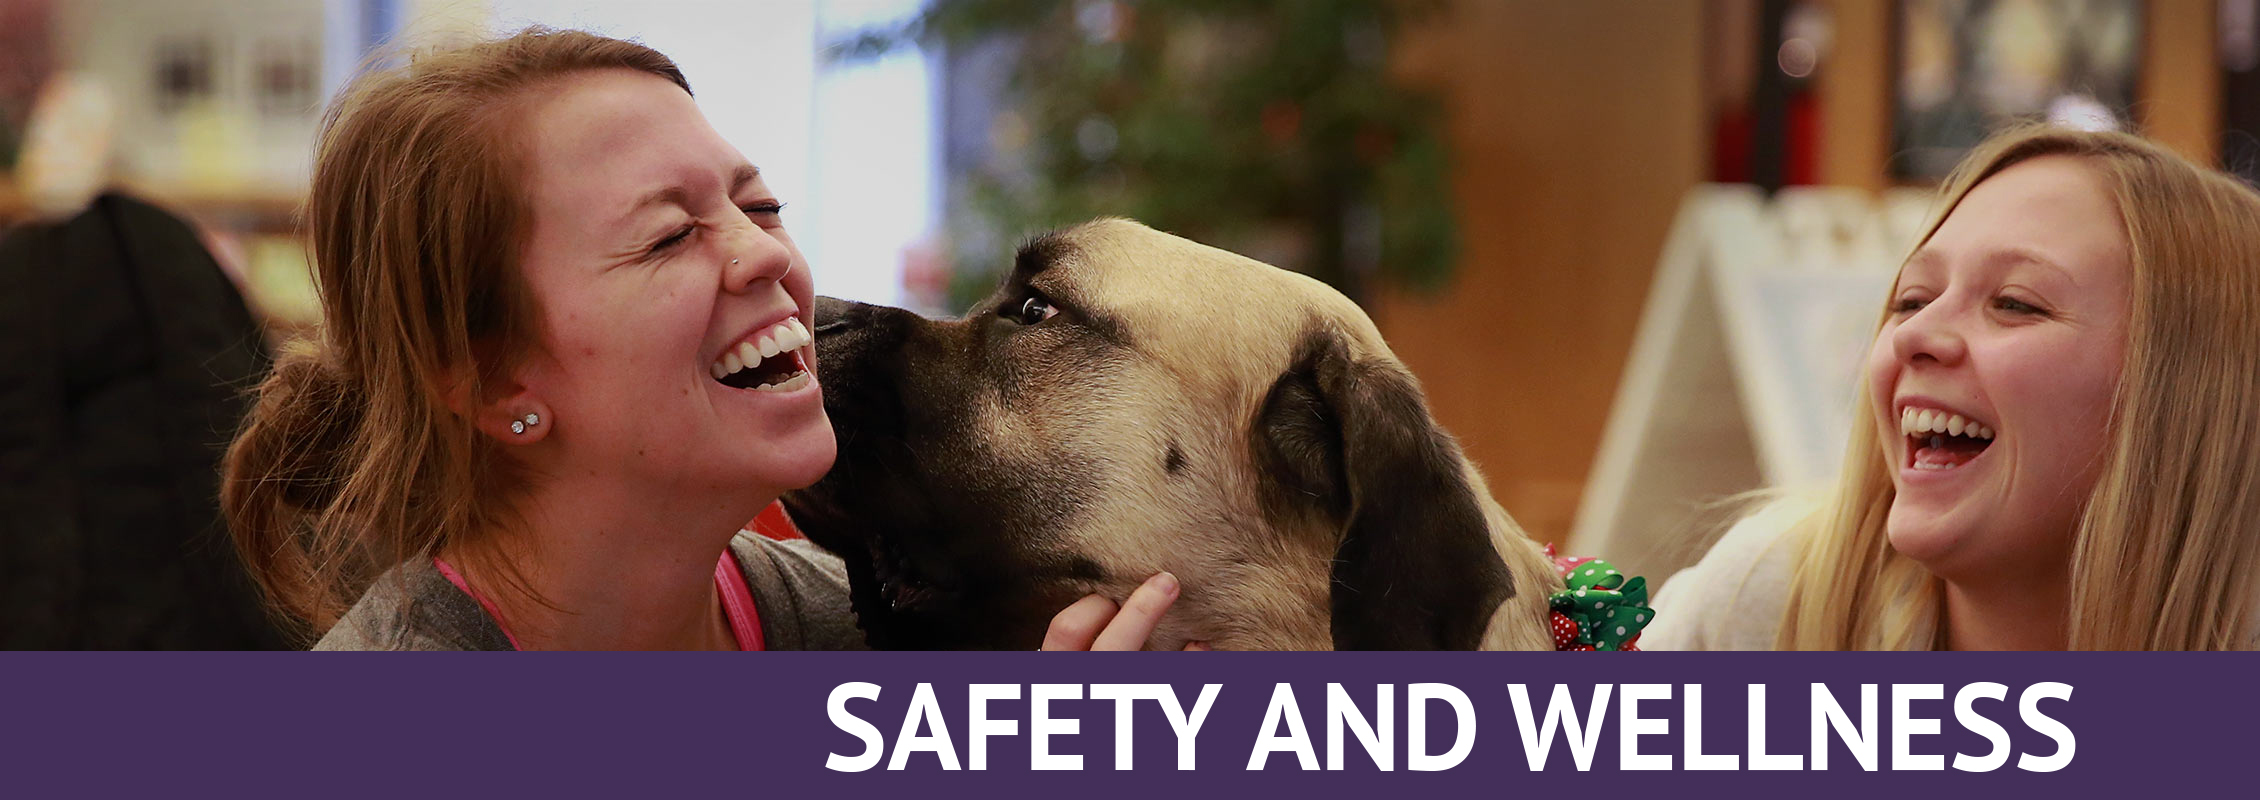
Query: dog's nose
<point x="836" y="318"/>
<point x="834" y="315"/>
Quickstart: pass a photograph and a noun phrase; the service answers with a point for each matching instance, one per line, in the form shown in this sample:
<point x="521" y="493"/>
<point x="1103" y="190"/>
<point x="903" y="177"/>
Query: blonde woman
<point x="566" y="354"/>
<point x="2059" y="446"/>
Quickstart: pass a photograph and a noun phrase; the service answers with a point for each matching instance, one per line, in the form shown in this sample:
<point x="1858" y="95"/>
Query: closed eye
<point x="766" y="208"/>
<point x="678" y="237"/>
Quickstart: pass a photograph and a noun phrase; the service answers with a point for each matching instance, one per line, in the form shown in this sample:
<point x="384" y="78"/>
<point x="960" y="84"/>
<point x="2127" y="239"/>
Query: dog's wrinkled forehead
<point x="1176" y="297"/>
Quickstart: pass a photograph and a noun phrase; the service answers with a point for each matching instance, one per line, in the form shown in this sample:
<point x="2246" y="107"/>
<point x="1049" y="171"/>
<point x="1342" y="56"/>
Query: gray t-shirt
<point x="799" y="591"/>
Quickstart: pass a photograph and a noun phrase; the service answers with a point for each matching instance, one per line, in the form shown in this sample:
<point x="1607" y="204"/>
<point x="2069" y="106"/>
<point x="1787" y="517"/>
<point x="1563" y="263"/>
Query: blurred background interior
<point x="1632" y="248"/>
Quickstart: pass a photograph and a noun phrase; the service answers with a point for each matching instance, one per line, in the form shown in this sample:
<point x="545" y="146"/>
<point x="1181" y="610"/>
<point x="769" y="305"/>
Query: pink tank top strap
<point x="457" y="579"/>
<point x="737" y="602"/>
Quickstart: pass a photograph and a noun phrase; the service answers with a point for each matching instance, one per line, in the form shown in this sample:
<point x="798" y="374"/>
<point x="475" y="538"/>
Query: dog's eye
<point x="1035" y="308"/>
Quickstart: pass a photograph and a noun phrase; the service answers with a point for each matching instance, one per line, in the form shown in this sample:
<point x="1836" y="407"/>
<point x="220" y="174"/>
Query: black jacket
<point x="125" y="361"/>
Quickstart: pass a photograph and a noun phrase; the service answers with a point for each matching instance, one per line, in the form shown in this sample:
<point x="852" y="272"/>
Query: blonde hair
<point x="2169" y="540"/>
<point x="352" y="461"/>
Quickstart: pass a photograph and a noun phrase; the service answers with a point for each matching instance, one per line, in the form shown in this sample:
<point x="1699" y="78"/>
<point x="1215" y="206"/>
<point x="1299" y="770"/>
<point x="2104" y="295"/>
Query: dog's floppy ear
<point x="1415" y="568"/>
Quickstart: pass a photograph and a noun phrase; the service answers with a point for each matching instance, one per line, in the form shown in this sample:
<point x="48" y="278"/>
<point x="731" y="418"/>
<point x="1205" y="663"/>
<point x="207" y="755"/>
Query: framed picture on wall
<point x="1968" y="67"/>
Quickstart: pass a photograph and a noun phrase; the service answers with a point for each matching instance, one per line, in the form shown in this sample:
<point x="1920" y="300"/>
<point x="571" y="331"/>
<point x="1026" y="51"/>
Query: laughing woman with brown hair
<point x="565" y="355"/>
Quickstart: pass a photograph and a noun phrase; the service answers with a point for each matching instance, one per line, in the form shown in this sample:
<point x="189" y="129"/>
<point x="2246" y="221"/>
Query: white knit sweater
<point x="1733" y="599"/>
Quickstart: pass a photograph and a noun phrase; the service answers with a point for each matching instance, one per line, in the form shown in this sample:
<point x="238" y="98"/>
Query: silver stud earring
<point x="520" y="425"/>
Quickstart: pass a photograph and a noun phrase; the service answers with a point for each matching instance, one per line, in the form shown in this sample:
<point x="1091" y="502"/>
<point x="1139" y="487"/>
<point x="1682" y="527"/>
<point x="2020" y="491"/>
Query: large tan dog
<point x="1129" y="402"/>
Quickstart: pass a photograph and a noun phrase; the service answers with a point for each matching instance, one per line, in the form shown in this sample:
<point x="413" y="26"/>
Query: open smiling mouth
<point x="768" y="361"/>
<point x="1942" y="440"/>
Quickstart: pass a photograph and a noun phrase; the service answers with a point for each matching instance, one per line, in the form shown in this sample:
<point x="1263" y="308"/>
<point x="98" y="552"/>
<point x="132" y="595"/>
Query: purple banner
<point x="611" y="725"/>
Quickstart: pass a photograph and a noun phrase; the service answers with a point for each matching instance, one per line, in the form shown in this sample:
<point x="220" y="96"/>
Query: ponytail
<point x="284" y="470"/>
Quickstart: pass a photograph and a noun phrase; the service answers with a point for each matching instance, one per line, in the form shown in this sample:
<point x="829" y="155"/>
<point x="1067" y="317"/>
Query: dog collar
<point x="1601" y="609"/>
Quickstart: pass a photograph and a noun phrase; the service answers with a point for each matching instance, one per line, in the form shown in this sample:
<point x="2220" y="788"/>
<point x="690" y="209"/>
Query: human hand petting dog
<point x="1095" y="623"/>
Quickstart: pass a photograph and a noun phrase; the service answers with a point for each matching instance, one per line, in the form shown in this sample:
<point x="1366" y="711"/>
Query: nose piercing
<point x="520" y="425"/>
<point x="733" y="262"/>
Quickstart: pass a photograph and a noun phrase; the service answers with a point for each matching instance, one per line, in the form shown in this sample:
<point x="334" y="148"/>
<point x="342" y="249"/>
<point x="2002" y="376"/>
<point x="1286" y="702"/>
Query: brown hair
<point x="352" y="461"/>
<point x="2167" y="554"/>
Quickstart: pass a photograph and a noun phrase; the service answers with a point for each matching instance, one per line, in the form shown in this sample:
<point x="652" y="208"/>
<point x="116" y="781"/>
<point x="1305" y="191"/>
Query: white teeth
<point x="798" y="380"/>
<point x="783" y="337"/>
<point x="1918" y="422"/>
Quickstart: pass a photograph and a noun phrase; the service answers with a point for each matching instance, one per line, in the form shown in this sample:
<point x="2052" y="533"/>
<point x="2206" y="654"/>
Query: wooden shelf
<point x="264" y="208"/>
<point x="259" y="209"/>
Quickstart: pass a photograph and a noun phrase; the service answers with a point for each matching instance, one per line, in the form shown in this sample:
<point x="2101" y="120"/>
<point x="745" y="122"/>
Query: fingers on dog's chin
<point x="1078" y="625"/>
<point x="1131" y="628"/>
<point x="1151" y="600"/>
<point x="1092" y="608"/>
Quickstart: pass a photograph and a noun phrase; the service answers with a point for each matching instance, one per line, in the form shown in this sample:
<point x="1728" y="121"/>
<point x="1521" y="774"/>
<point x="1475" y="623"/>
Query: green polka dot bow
<point x="1603" y="609"/>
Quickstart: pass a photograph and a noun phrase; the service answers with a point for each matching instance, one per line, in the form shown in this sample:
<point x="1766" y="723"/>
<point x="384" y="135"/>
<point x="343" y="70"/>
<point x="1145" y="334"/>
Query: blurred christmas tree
<point x="1269" y="128"/>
